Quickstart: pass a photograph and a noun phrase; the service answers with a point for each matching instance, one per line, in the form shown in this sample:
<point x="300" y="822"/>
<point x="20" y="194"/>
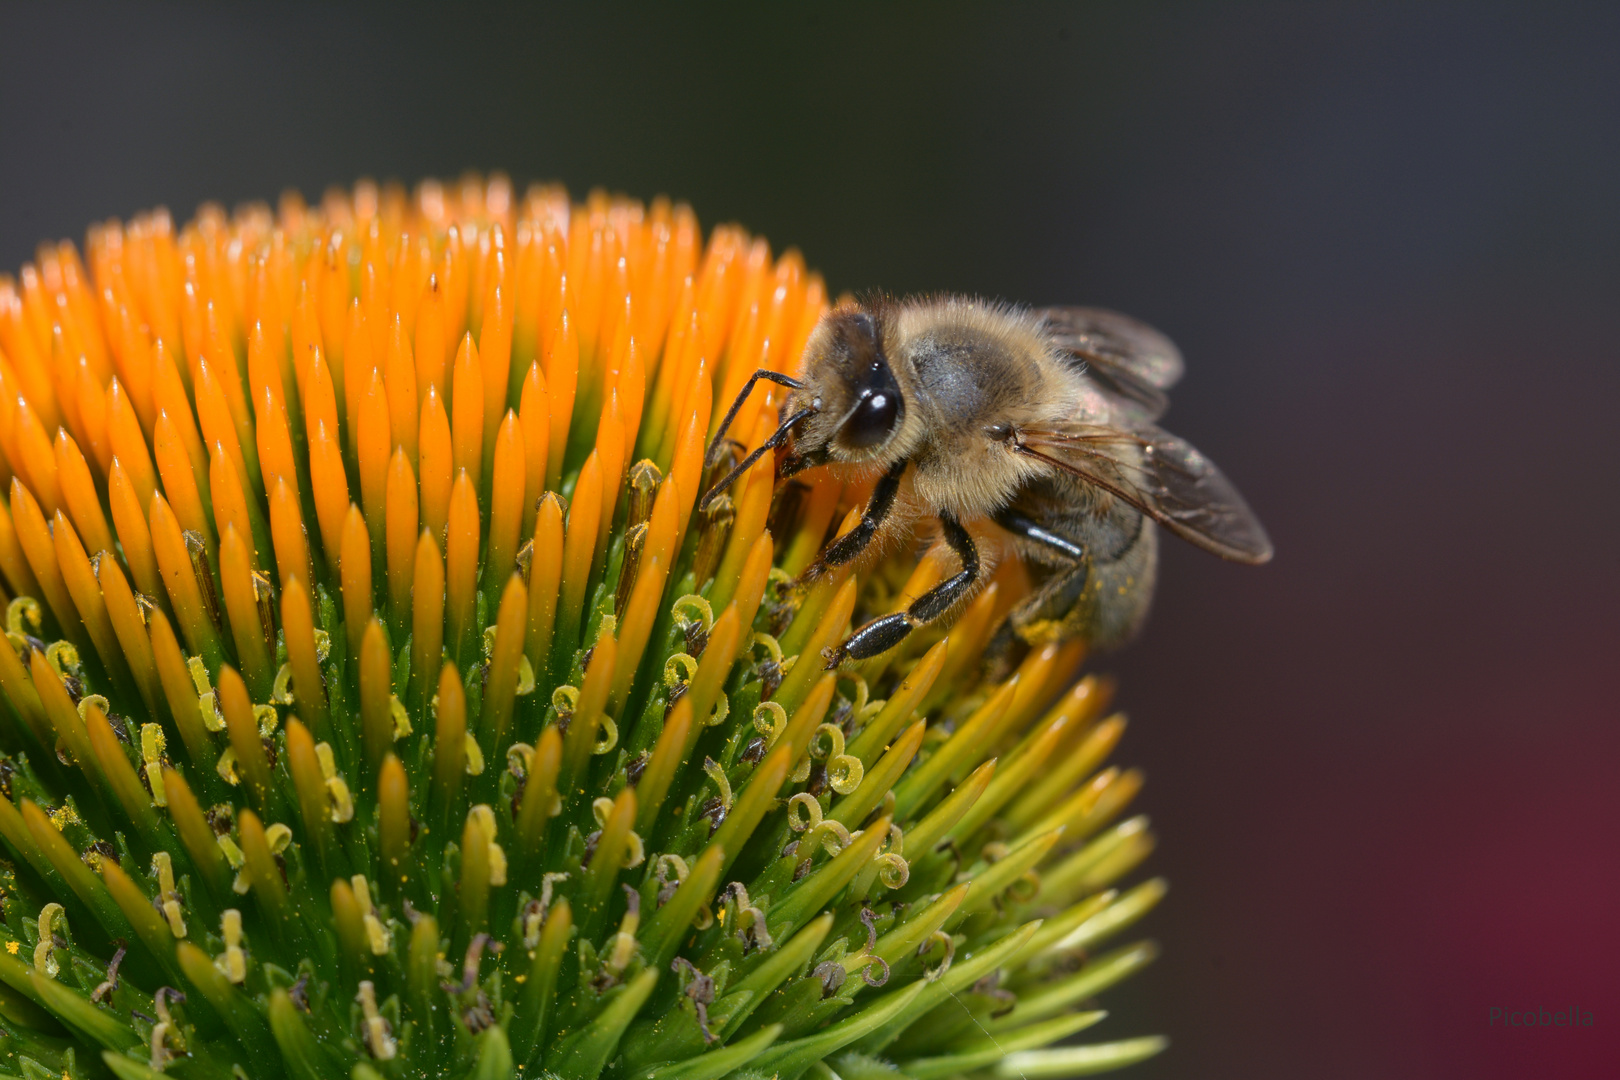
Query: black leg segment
<point x="877" y="636"/>
<point x="1019" y="525"/>
<point x="854" y="542"/>
<point x="881" y="635"/>
<point x="938" y="600"/>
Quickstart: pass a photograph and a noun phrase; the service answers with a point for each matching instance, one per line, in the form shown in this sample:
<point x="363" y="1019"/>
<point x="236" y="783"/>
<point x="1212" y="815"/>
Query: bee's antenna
<point x="778" y="437"/>
<point x="763" y="373"/>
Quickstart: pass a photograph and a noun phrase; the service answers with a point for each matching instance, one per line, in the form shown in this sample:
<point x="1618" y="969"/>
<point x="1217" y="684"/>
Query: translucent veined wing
<point x="1161" y="475"/>
<point x="1129" y="361"/>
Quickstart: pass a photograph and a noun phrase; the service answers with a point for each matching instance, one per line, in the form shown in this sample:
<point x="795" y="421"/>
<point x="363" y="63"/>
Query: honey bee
<point x="1042" y="421"/>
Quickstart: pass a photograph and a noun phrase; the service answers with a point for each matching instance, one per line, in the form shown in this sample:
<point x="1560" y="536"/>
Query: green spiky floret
<point x="893" y="871"/>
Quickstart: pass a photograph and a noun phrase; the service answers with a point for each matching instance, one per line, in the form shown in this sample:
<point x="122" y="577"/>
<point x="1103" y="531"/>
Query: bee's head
<point x="850" y="384"/>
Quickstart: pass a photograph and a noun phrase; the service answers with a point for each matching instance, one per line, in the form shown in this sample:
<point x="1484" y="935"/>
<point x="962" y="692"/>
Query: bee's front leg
<point x="852" y="543"/>
<point x="881" y="635"/>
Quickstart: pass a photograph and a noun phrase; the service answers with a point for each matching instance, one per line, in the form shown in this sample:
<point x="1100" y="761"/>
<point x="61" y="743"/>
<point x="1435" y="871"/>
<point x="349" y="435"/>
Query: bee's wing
<point x="1162" y="476"/>
<point x="1129" y="361"/>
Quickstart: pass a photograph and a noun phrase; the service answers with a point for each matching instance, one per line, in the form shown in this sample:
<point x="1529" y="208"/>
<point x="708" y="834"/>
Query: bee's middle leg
<point x="881" y="635"/>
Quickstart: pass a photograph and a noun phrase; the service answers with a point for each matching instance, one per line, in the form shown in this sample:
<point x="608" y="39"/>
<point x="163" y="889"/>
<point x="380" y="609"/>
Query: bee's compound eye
<point x="872" y="420"/>
<point x="1000" y="431"/>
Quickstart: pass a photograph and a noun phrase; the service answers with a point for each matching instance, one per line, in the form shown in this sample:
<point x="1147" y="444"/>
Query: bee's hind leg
<point x="1048" y="613"/>
<point x="1036" y="533"/>
<point x="1102" y="602"/>
<point x="881" y="635"/>
<point x="1053" y="612"/>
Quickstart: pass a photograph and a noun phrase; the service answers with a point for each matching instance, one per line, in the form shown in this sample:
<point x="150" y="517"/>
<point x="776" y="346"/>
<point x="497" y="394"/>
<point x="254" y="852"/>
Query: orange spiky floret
<point x="377" y="701"/>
